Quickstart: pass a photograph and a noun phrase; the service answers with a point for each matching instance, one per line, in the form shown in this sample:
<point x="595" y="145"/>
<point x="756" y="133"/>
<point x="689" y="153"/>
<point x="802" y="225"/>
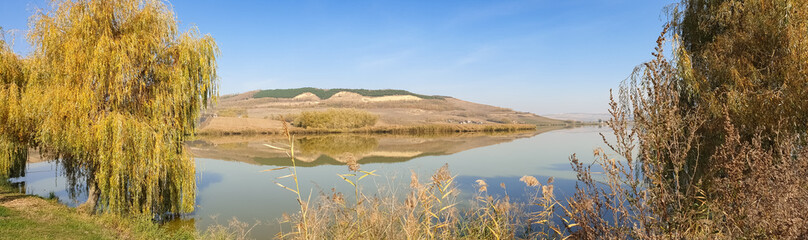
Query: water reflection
<point x="231" y="183"/>
<point x="45" y="179"/>
<point x="339" y="148"/>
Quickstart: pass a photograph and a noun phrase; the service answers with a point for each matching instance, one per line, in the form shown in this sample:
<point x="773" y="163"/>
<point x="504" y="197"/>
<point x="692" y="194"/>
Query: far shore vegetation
<point x="336" y="119"/>
<point x="347" y="120"/>
<point x="395" y="130"/>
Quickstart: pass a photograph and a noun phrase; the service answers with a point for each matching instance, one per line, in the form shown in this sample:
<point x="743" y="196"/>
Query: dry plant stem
<point x="304" y="226"/>
<point x="428" y="212"/>
<point x="303" y="205"/>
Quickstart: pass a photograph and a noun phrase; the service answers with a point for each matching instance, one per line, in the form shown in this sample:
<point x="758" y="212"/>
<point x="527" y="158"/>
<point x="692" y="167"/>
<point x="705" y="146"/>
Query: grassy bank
<point x="32" y="217"/>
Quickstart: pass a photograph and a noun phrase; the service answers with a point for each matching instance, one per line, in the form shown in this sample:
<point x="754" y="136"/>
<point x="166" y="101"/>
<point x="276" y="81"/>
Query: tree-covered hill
<point x="327" y="93"/>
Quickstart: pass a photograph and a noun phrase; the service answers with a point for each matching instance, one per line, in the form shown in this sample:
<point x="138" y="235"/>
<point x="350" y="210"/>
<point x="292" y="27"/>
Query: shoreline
<point x="420" y="129"/>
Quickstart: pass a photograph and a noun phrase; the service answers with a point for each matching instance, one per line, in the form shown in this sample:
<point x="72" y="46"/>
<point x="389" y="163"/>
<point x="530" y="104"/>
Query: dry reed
<point x="424" y="129"/>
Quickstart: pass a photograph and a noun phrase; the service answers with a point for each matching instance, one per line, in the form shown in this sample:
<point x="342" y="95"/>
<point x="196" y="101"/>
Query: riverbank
<point x="221" y="126"/>
<point x="32" y="217"/>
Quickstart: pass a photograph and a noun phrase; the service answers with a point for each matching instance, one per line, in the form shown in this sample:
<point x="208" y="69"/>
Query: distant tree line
<point x="328" y="93"/>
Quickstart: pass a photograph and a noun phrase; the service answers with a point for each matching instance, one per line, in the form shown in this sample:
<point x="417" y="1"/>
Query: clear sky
<point x="543" y="56"/>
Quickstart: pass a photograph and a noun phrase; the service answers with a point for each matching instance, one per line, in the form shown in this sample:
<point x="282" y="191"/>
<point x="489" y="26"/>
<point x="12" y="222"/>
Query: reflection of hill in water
<point x="337" y="149"/>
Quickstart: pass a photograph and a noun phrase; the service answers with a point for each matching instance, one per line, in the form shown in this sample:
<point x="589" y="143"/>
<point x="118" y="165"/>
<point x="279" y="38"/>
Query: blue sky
<point x="543" y="56"/>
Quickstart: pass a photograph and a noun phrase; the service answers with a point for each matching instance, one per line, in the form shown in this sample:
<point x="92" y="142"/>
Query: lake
<point x="232" y="183"/>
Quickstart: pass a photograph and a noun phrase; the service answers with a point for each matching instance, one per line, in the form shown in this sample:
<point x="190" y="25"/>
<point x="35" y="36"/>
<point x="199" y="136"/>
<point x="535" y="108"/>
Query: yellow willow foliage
<point x="13" y="150"/>
<point x="113" y="90"/>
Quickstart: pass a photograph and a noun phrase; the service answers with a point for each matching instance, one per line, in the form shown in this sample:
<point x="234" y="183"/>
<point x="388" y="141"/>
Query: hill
<point x="263" y="111"/>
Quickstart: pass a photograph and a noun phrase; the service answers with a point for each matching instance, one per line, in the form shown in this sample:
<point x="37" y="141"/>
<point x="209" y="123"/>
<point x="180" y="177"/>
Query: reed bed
<point x="403" y="130"/>
<point x="430" y="209"/>
<point x="336" y="118"/>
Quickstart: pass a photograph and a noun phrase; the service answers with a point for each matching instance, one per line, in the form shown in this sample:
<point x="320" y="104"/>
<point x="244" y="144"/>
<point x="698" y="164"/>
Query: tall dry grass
<point x="429" y="210"/>
<point x="665" y="185"/>
<point x="344" y="118"/>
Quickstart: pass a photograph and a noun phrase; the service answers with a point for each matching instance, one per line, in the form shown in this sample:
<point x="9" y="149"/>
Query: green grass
<point x="58" y="224"/>
<point x="4" y="212"/>
<point x="327" y="93"/>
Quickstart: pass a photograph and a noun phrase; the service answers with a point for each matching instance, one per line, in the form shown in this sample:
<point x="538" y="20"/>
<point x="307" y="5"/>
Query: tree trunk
<point x="91" y="205"/>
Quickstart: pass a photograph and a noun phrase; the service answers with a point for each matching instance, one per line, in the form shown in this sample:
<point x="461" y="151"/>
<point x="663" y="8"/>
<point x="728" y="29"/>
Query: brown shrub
<point x="336" y="119"/>
<point x="701" y="158"/>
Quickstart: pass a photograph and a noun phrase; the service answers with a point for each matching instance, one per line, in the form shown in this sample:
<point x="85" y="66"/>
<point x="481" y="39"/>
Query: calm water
<point x="231" y="183"/>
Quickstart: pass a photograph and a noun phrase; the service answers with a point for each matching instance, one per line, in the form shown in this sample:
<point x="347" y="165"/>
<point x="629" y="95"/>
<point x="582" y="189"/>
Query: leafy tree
<point x="110" y="92"/>
<point x="748" y="57"/>
<point x="743" y="69"/>
<point x="713" y="137"/>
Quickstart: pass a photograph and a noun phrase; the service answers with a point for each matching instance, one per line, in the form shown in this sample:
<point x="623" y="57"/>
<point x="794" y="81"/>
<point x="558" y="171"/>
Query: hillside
<point x="263" y="110"/>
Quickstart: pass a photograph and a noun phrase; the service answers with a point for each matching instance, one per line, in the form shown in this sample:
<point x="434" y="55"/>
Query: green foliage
<point x="336" y="119"/>
<point x="110" y="91"/>
<point x="327" y="93"/>
<point x="748" y="57"/>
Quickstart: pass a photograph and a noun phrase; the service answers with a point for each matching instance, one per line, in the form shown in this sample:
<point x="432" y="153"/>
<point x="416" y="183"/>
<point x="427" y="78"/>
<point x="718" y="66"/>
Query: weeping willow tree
<point x="13" y="138"/>
<point x="110" y="92"/>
